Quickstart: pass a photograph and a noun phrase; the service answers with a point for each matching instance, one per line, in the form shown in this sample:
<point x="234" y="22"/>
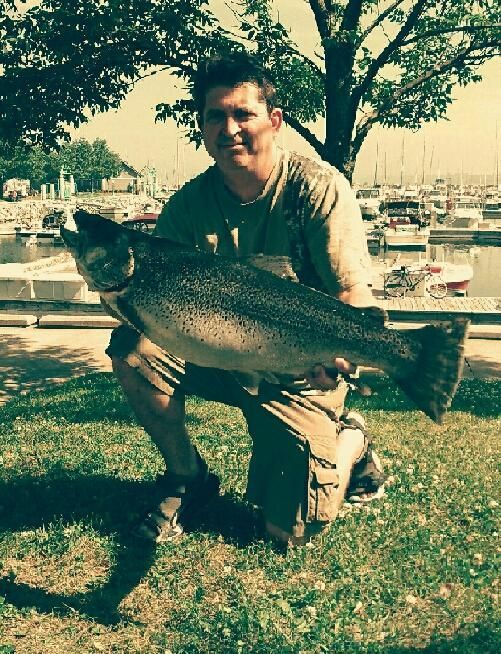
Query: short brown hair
<point x="231" y="70"/>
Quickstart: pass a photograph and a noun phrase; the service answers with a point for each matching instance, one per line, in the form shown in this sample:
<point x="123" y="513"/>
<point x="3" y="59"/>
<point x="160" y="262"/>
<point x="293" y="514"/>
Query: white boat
<point x="492" y="206"/>
<point x="369" y="201"/>
<point x="467" y="212"/>
<point x="457" y="276"/>
<point x="401" y="236"/>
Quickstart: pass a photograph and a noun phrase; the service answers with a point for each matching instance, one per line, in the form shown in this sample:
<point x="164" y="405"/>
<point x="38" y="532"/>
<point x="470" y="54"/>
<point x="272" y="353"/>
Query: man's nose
<point x="231" y="126"/>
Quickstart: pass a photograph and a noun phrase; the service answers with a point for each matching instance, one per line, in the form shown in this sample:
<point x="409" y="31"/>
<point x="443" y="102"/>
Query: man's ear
<point x="277" y="118"/>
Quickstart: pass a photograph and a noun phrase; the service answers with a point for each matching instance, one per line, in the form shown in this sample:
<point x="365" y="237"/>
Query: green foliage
<point x="80" y="158"/>
<point x="385" y="62"/>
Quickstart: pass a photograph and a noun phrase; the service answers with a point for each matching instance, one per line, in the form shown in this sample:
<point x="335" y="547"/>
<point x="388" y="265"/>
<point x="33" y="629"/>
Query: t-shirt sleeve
<point x="174" y="221"/>
<point x="336" y="238"/>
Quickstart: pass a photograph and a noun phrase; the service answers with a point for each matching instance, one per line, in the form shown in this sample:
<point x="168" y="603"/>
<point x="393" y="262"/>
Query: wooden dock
<point x="480" y="310"/>
<point x="464" y="235"/>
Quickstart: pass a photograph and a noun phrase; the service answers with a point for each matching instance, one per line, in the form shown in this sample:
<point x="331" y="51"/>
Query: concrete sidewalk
<point x="33" y="358"/>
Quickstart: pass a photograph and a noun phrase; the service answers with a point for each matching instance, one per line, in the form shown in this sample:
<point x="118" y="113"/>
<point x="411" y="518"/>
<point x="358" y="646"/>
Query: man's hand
<point x="326" y="378"/>
<point x="323" y="378"/>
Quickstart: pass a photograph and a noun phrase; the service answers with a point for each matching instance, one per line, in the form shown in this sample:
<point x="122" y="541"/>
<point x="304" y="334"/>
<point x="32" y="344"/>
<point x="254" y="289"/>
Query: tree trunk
<point x="339" y="111"/>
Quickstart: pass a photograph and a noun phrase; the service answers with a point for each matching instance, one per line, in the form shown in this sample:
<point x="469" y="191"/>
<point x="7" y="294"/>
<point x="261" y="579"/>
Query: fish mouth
<point x="116" y="288"/>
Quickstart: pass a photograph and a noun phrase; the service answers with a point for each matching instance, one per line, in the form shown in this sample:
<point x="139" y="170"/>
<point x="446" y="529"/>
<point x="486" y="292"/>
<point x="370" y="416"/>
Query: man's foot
<point x="367" y="478"/>
<point x="367" y="481"/>
<point x="179" y="498"/>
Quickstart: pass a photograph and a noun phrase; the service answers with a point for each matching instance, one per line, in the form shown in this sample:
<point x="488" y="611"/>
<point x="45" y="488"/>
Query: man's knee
<point x="120" y="367"/>
<point x="145" y="398"/>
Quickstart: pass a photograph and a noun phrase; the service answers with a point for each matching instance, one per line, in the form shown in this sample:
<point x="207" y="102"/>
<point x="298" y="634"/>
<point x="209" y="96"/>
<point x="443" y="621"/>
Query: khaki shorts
<point x="293" y="468"/>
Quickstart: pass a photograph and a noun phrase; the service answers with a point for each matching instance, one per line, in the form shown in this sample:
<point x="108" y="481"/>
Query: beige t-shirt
<point x="307" y="212"/>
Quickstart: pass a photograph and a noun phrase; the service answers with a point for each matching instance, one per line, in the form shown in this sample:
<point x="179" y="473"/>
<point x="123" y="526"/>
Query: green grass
<point x="415" y="571"/>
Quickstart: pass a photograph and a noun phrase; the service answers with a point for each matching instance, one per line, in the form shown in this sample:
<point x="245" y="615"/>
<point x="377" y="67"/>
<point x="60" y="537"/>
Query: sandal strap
<point x="367" y="475"/>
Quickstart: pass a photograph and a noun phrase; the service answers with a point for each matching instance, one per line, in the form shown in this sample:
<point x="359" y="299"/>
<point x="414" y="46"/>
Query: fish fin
<point x="278" y="265"/>
<point x="434" y="381"/>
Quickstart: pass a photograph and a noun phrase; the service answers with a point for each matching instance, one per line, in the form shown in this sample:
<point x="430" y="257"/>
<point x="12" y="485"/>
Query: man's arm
<point x="359" y="295"/>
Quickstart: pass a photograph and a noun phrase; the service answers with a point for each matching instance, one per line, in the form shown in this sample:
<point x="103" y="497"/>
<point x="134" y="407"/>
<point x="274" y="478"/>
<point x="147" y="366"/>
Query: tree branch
<point x="321" y="17"/>
<point x="290" y="47"/>
<point x="308" y="136"/>
<point x="438" y="32"/>
<point x="351" y="16"/>
<point x="461" y="58"/>
<point x="380" y="19"/>
<point x="386" y="53"/>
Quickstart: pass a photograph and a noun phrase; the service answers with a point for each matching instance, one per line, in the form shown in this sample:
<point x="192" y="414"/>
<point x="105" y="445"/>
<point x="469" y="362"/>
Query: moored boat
<point x="457" y="276"/>
<point x="406" y="235"/>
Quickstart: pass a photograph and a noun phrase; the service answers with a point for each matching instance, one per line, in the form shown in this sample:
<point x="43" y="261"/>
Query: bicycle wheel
<point x="394" y="285"/>
<point x="436" y="287"/>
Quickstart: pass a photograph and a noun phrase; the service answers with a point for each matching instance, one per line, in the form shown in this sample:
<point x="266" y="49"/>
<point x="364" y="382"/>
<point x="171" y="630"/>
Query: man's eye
<point x="243" y="115"/>
<point x="214" y="118"/>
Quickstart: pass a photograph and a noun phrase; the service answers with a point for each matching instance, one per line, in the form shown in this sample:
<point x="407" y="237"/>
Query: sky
<point x="464" y="145"/>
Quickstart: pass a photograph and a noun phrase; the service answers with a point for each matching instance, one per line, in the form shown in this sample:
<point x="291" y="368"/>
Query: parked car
<point x="54" y="219"/>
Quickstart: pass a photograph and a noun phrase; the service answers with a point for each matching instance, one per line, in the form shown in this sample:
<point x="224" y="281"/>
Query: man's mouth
<point x="232" y="146"/>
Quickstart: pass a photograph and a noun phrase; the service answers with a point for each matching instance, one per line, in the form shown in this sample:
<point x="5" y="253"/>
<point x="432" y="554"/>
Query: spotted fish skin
<point x="224" y="313"/>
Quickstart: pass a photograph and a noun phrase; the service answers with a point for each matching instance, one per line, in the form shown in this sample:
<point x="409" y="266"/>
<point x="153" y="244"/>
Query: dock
<point x="52" y="287"/>
<point x="465" y="235"/>
<point x="480" y="310"/>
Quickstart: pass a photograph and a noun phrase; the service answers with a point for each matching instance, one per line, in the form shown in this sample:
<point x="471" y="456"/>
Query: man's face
<point x="238" y="130"/>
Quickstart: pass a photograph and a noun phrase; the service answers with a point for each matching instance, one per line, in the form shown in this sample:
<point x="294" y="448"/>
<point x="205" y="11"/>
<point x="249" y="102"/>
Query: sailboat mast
<point x="402" y="161"/>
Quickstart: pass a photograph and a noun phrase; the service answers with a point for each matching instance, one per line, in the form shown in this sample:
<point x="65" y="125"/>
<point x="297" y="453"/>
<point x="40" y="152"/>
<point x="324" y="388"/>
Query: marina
<point x="39" y="284"/>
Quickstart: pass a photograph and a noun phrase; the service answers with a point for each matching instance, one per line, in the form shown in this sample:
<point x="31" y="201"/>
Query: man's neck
<point x="247" y="185"/>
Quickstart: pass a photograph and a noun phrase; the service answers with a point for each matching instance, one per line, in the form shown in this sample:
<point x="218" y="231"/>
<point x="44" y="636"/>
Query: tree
<point x="84" y="160"/>
<point x="62" y="61"/>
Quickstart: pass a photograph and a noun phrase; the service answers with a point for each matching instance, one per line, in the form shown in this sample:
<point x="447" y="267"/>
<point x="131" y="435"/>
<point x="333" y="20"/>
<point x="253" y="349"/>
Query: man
<point x="257" y="199"/>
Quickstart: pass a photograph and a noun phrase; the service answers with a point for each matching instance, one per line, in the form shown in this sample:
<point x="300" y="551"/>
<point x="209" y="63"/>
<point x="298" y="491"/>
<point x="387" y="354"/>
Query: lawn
<point x="413" y="572"/>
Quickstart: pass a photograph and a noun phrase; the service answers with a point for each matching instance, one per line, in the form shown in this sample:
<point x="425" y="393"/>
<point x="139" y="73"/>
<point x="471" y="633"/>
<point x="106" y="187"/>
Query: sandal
<point x="367" y="481"/>
<point x="179" y="499"/>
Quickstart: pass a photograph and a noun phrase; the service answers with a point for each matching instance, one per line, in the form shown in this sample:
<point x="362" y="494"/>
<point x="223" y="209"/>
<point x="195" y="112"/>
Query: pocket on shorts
<point x="322" y="486"/>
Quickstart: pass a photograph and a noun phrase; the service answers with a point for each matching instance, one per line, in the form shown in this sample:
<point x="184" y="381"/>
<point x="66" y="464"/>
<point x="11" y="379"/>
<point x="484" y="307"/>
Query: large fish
<point x="224" y="313"/>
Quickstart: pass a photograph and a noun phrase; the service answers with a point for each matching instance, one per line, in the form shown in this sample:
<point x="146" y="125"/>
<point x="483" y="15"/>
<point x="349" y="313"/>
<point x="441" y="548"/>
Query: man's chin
<point x="236" y="157"/>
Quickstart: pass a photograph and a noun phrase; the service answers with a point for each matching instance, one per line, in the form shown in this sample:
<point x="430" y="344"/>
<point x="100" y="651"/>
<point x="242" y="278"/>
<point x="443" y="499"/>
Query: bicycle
<point x="397" y="283"/>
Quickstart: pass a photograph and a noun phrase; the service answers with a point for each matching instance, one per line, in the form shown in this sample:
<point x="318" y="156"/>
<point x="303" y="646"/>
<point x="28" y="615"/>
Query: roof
<point x="130" y="170"/>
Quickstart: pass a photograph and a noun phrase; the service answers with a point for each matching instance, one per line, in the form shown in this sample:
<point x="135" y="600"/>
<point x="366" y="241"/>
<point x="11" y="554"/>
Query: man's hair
<point x="231" y="70"/>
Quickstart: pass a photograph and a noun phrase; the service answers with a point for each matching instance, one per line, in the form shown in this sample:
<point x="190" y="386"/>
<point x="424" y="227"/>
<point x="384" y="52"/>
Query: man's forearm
<point x="359" y="295"/>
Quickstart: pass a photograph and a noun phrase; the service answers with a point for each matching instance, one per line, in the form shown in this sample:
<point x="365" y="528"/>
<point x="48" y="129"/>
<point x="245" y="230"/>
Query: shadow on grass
<point x="24" y="369"/>
<point x="89" y="398"/>
<point x="483" y="641"/>
<point x="114" y="507"/>
<point x="96" y="397"/>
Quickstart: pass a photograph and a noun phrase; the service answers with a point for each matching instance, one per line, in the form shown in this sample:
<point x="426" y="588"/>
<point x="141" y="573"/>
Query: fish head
<point x="102" y="250"/>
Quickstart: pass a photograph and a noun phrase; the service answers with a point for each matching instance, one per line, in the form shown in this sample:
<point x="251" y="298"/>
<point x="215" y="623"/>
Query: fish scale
<point x="219" y="312"/>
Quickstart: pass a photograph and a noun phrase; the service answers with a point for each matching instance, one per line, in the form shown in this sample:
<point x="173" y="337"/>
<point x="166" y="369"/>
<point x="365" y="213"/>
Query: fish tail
<point x="434" y="381"/>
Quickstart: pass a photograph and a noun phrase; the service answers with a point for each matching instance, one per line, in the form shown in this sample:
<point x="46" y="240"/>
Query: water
<point x="13" y="251"/>
<point x="486" y="260"/>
